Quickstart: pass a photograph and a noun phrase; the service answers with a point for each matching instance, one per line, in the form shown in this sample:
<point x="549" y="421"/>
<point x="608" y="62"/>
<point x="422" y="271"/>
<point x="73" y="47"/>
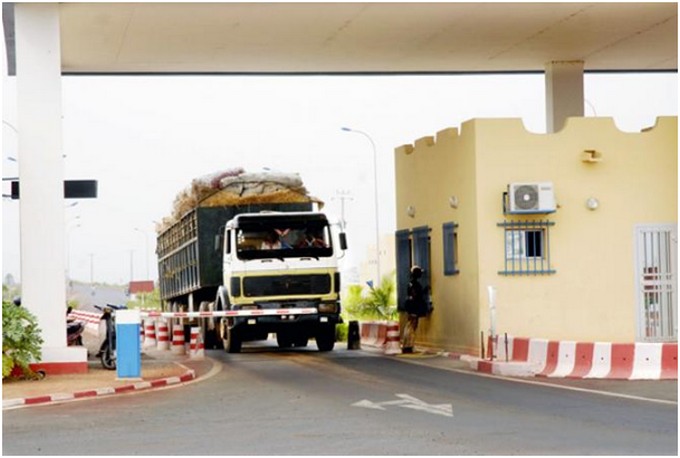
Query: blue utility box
<point x="128" y="349"/>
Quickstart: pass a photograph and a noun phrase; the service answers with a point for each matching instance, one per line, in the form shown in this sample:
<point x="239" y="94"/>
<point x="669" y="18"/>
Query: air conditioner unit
<point x="531" y="198"/>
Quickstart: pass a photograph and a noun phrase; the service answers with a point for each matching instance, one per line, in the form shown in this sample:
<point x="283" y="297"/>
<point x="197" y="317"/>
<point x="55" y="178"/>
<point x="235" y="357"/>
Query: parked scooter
<point x="74" y="330"/>
<point x="107" y="350"/>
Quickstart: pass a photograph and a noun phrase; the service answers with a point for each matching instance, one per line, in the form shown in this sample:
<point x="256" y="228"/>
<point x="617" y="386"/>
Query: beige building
<point x="575" y="231"/>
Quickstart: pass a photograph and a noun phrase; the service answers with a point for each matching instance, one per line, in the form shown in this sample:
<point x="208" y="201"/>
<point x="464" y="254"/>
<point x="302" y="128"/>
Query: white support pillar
<point x="563" y="92"/>
<point x="41" y="180"/>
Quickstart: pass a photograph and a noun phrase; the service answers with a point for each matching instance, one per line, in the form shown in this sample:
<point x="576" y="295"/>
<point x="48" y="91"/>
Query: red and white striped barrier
<point x="382" y="334"/>
<point x="231" y="313"/>
<point x="630" y="361"/>
<point x="369" y="333"/>
<point x="91" y="319"/>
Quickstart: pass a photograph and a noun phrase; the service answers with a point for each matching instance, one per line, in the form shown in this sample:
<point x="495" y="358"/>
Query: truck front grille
<point x="286" y="285"/>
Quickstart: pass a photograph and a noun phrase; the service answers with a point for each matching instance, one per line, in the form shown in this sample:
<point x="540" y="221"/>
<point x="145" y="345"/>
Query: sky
<point x="145" y="138"/>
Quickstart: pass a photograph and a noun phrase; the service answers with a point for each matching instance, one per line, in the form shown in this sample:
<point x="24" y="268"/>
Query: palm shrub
<point x="21" y="338"/>
<point x="376" y="303"/>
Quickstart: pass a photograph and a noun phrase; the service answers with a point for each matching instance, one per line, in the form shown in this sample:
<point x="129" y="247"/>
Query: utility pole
<point x="342" y="196"/>
<point x="92" y="273"/>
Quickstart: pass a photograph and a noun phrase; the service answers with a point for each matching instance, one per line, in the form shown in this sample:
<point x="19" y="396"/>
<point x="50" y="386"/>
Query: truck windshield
<point x="281" y="236"/>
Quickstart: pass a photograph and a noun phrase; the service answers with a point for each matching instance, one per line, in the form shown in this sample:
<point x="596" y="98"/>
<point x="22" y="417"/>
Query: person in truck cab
<point x="273" y="240"/>
<point x="312" y="240"/>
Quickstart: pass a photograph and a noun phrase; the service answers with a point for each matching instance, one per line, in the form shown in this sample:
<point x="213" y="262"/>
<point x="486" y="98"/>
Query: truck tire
<point x="325" y="337"/>
<point x="230" y="338"/>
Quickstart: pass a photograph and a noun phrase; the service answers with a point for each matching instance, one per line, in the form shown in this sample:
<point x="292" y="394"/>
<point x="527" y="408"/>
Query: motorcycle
<point x="74" y="330"/>
<point x="107" y="350"/>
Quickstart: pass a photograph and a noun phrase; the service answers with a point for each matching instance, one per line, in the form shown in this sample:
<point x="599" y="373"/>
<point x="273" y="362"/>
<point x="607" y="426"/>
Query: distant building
<point x="140" y="287"/>
<point x="576" y="231"/>
<point x="368" y="271"/>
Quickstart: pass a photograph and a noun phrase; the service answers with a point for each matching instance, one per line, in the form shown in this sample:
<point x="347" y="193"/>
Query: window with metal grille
<point x="527" y="248"/>
<point x="450" y="239"/>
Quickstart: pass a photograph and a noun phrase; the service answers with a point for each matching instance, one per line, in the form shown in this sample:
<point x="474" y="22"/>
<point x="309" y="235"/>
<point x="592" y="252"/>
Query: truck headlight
<point x="328" y="307"/>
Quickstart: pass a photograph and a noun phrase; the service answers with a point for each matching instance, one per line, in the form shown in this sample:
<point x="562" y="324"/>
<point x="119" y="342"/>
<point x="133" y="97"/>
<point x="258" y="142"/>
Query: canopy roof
<point x="113" y="38"/>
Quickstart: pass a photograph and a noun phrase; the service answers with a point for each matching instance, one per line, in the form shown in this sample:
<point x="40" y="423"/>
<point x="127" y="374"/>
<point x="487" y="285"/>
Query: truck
<point x="279" y="257"/>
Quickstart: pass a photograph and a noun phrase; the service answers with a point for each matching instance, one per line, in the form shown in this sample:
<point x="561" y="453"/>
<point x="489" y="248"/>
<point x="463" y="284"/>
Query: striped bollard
<point x="141" y="334"/>
<point x="196" y="346"/>
<point x="163" y="335"/>
<point x="150" y="333"/>
<point x="178" y="340"/>
<point x="392" y="339"/>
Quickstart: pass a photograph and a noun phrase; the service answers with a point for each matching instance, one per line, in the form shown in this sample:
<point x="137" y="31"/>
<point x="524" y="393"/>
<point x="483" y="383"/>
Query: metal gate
<point x="657" y="283"/>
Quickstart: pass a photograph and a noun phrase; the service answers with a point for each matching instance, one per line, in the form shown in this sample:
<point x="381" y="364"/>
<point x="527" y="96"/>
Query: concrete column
<point x="41" y="179"/>
<point x="563" y="92"/>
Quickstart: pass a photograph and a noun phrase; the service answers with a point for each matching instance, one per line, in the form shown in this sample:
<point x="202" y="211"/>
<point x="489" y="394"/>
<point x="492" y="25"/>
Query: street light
<point x="375" y="185"/>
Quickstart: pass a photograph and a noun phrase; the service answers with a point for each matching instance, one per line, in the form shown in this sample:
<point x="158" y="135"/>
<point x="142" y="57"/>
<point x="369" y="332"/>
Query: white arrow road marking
<point x="408" y="402"/>
<point x="368" y="404"/>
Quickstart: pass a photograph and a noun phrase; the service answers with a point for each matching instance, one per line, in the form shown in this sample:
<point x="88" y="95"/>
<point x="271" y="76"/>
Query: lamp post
<point x="375" y="191"/>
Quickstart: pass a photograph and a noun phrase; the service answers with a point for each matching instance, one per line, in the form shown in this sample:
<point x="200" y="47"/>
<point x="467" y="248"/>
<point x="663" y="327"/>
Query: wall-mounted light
<point x="592" y="203"/>
<point x="591" y="156"/>
<point x="453" y="202"/>
<point x="411" y="211"/>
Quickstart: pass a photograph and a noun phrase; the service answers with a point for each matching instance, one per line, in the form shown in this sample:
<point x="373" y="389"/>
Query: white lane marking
<point x="408" y="402"/>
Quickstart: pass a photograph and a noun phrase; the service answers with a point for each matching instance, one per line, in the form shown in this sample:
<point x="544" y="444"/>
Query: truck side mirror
<point x="343" y="241"/>
<point x="218" y="242"/>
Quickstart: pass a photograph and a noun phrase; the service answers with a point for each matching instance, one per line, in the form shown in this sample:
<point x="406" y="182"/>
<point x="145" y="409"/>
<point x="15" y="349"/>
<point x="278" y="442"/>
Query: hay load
<point x="237" y="187"/>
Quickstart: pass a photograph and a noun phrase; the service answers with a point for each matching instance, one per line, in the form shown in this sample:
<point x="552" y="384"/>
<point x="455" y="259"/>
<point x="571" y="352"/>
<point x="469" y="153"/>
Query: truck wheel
<point x="325" y="337"/>
<point x="230" y="339"/>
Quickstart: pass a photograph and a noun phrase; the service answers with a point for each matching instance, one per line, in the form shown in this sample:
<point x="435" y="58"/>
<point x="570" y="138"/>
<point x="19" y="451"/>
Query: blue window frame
<point x="450" y="242"/>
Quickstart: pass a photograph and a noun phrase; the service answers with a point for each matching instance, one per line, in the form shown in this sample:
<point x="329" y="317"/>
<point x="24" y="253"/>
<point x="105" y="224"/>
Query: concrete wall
<point x="591" y="297"/>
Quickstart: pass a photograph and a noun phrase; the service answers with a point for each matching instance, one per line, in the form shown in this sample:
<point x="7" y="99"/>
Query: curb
<point x="108" y="391"/>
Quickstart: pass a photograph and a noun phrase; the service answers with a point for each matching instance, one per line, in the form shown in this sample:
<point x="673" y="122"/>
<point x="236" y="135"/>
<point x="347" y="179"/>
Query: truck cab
<point x="281" y="260"/>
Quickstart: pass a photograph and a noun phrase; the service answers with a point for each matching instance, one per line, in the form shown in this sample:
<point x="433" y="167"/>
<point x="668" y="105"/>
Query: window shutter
<point x="448" y="231"/>
<point x="403" y="251"/>
<point x="421" y="254"/>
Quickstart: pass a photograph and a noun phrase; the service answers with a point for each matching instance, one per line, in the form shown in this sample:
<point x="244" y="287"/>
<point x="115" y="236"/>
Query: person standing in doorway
<point x="416" y="307"/>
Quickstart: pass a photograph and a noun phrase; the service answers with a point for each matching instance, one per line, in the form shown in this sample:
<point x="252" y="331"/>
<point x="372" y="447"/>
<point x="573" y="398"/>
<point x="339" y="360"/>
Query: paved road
<point x="266" y="401"/>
